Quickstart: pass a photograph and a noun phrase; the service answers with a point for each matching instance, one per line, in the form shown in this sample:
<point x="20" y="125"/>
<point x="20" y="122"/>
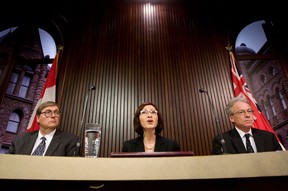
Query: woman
<point x="148" y="125"/>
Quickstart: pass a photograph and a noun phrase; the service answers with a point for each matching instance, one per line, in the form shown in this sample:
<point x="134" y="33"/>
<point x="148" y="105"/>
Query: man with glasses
<point x="48" y="140"/>
<point x="243" y="138"/>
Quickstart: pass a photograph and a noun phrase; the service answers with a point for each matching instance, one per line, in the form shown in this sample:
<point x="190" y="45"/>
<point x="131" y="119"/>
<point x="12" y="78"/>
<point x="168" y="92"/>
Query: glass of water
<point x="92" y="140"/>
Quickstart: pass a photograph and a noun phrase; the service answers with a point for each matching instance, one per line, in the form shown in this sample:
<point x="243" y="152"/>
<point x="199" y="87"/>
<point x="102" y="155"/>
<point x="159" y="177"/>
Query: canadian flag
<point x="48" y="93"/>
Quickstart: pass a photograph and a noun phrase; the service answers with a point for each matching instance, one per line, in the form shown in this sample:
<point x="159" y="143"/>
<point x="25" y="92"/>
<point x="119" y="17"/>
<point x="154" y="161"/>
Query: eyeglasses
<point x="242" y="112"/>
<point x="145" y="112"/>
<point x="49" y="113"/>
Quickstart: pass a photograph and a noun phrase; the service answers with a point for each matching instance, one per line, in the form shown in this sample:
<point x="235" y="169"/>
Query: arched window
<point x="47" y="41"/>
<point x="272" y="107"/>
<point x="253" y="36"/>
<point x="259" y="60"/>
<point x="13" y="123"/>
<point x="281" y="97"/>
<point x="22" y="76"/>
<point x="48" y="44"/>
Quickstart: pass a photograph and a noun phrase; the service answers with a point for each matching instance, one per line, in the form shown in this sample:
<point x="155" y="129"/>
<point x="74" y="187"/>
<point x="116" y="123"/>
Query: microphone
<point x="202" y="90"/>
<point x="77" y="149"/>
<point x="224" y="149"/>
<point x="92" y="88"/>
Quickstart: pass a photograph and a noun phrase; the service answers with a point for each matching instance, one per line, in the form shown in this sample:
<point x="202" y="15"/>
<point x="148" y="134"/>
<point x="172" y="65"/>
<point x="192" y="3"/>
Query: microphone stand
<point x="224" y="149"/>
<point x="82" y="126"/>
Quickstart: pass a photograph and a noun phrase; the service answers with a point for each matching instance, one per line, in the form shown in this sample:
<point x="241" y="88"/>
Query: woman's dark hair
<point x="136" y="122"/>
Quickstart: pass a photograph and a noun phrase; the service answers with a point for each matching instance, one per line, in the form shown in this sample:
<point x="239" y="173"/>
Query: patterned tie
<point x="41" y="147"/>
<point x="249" y="147"/>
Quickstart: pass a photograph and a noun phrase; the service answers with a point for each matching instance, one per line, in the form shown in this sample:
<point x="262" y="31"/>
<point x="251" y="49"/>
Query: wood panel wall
<point x="135" y="52"/>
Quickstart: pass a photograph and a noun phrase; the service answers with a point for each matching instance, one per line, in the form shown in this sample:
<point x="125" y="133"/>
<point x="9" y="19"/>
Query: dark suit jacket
<point x="265" y="141"/>
<point x="62" y="144"/>
<point x="162" y="145"/>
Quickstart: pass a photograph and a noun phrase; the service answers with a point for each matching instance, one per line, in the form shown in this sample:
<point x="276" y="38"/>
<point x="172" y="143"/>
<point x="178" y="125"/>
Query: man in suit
<point x="55" y="143"/>
<point x="241" y="116"/>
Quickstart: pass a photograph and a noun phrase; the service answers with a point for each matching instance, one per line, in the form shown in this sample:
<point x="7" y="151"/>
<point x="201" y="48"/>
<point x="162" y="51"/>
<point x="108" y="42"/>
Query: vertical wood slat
<point x="133" y="57"/>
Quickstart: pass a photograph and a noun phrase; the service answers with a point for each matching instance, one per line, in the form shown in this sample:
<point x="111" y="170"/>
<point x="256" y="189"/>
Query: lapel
<point x="259" y="140"/>
<point x="159" y="143"/>
<point x="139" y="144"/>
<point x="29" y="143"/>
<point x="56" y="140"/>
<point x="237" y="141"/>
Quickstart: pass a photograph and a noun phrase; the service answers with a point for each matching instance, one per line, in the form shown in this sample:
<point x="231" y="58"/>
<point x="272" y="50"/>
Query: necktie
<point x="41" y="147"/>
<point x="248" y="144"/>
